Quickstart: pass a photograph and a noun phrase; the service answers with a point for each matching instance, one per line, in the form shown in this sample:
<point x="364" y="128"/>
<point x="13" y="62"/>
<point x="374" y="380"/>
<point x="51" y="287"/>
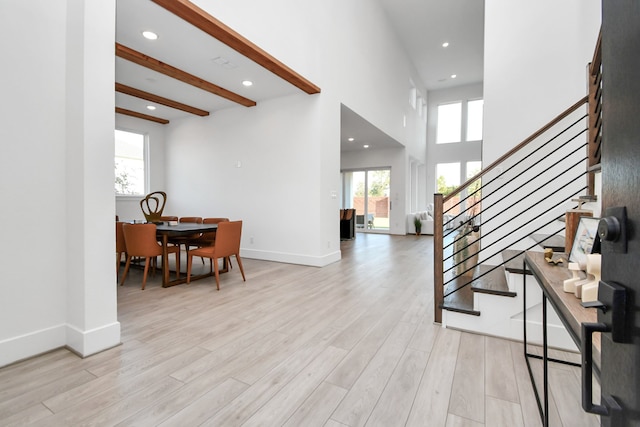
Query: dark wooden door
<point x="620" y="371"/>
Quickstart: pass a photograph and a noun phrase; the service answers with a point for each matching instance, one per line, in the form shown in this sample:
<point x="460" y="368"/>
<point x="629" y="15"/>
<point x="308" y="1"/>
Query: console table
<point x="550" y="278"/>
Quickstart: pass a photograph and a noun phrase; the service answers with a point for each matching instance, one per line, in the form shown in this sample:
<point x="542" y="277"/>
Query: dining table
<point x="164" y="230"/>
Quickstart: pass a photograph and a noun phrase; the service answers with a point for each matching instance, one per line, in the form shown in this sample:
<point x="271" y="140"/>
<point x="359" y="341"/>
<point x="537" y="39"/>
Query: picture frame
<point x="586" y="240"/>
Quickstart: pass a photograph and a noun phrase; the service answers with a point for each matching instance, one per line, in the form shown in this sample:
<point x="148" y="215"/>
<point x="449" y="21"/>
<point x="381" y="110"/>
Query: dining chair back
<point x="121" y="247"/>
<point x="191" y="219"/>
<point x="152" y="205"/>
<point x="209" y="238"/>
<point x="189" y="239"/>
<point x="227" y="244"/>
<point x="140" y="240"/>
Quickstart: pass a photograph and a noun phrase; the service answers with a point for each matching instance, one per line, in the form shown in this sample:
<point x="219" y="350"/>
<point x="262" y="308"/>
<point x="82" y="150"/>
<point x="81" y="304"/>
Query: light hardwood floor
<point x="350" y="344"/>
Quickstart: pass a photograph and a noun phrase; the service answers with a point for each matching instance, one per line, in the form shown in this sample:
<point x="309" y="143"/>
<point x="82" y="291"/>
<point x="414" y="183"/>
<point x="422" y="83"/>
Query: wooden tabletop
<point x="569" y="308"/>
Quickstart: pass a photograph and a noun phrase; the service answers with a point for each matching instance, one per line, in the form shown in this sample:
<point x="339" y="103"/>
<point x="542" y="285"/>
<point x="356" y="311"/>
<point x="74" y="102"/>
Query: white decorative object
<point x="569" y="285"/>
<point x="590" y="290"/>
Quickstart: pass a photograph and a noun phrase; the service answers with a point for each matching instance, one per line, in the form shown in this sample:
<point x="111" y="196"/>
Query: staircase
<point x="514" y="205"/>
<point x="518" y="207"/>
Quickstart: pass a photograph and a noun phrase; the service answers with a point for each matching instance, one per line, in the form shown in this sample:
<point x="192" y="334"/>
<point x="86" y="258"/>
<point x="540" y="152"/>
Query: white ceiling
<point x="184" y="46"/>
<point x="422" y="26"/>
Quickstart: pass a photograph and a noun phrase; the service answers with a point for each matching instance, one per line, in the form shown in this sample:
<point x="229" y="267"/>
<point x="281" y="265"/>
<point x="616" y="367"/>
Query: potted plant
<point x="418" y="223"/>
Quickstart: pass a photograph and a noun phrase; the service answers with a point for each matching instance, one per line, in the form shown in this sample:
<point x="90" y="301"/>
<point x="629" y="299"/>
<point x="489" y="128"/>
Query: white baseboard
<point x="38" y="342"/>
<point x="86" y="343"/>
<point x="32" y="344"/>
<point x="289" y="258"/>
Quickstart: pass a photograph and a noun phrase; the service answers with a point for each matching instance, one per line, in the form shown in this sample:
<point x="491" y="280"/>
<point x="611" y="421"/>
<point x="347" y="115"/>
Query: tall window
<point x="460" y="118"/>
<point x="474" y="193"/>
<point x="474" y="120"/>
<point x="449" y="119"/>
<point x="130" y="170"/>
<point x="447" y="180"/>
<point x="447" y="177"/>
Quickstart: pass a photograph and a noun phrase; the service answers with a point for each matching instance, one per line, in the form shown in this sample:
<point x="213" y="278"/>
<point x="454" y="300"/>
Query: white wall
<point x="289" y="148"/>
<point x="128" y="207"/>
<point x="56" y="173"/>
<point x="461" y="152"/>
<point x="536" y="54"/>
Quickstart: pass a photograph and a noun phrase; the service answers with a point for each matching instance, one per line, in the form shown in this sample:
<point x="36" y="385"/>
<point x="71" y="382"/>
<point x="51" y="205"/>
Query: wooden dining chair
<point x="208" y="238"/>
<point x="227" y="243"/>
<point x="141" y="241"/>
<point x="152" y="205"/>
<point x="121" y="247"/>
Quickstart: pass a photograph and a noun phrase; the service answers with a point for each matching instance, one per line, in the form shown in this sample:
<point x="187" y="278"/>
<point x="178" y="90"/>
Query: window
<point x="448" y="177"/>
<point x="447" y="180"/>
<point x="474" y="120"/>
<point x="130" y="164"/>
<point x="460" y="118"/>
<point x="474" y="193"/>
<point x="449" y="119"/>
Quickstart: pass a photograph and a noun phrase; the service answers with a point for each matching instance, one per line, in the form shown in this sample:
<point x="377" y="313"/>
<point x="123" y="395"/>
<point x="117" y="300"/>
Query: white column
<point x="91" y="312"/>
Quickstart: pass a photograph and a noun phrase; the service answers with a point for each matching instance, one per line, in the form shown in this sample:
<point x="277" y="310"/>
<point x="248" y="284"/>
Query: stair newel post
<point x="438" y="256"/>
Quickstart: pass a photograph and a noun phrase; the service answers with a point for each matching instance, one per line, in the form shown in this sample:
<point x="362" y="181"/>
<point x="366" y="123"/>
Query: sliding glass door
<point x="367" y="191"/>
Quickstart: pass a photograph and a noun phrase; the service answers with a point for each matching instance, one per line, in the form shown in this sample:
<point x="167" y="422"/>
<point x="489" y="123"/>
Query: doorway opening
<point x="367" y="191"/>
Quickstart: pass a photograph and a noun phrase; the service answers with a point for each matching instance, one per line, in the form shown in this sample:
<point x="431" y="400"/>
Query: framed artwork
<point x="586" y="240"/>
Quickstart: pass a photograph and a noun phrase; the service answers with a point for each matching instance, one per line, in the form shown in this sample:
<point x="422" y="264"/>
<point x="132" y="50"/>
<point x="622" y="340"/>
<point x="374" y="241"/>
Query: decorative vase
<point x="466" y="246"/>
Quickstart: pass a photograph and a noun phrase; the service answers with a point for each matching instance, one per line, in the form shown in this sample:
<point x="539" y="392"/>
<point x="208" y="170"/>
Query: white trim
<point x="313" y="261"/>
<point x="86" y="343"/>
<point x="31" y="344"/>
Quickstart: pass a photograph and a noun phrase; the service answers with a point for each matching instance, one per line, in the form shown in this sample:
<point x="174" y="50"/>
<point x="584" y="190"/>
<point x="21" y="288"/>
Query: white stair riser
<point x="502" y="316"/>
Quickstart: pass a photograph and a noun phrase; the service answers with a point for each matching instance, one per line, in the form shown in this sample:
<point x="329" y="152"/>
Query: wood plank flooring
<point x="350" y="344"/>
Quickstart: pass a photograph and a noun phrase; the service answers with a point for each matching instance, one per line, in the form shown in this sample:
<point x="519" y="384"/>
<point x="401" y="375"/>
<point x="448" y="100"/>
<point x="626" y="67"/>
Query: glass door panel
<point x="378" y="206"/>
<point x="367" y="191"/>
<point x="357" y="192"/>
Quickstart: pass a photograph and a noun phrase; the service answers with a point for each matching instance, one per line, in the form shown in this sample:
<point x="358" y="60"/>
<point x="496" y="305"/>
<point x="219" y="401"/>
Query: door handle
<point x="587" y="367"/>
<point x="612" y="300"/>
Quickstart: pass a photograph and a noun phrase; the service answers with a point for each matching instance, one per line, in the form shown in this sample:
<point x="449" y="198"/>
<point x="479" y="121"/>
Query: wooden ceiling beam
<point x="141" y="116"/>
<point x="210" y="25"/>
<point x="128" y="90"/>
<point x="141" y="59"/>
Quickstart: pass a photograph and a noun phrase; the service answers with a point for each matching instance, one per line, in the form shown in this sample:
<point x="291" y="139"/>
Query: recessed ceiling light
<point x="150" y="35"/>
<point x="247" y="83"/>
<point x="366" y="146"/>
<point x="453" y="76"/>
<point x="151" y="107"/>
<point x="445" y="44"/>
<point x="350" y="139"/>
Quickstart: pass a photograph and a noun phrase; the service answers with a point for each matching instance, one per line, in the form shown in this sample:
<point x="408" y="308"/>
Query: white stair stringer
<point x="502" y="316"/>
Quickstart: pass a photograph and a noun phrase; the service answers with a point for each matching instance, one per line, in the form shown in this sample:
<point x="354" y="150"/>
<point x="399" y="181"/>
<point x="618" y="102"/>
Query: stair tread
<point x="515" y="264"/>
<point x="461" y="300"/>
<point x="554" y="241"/>
<point x="493" y="281"/>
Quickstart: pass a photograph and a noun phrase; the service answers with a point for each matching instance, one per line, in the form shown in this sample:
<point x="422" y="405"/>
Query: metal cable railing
<point x="528" y="194"/>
